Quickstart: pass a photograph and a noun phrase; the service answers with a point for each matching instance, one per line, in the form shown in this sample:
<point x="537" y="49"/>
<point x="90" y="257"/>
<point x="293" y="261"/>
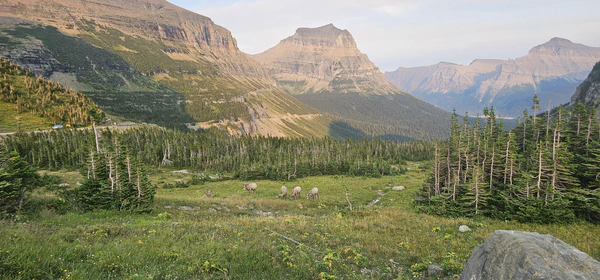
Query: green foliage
<point x="45" y="98"/>
<point x="17" y="180"/>
<point x="114" y="180"/>
<point x="542" y="171"/>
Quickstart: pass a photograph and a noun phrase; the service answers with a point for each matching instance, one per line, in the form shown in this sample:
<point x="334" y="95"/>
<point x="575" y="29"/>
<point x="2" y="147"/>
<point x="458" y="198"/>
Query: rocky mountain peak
<point x="323" y="58"/>
<point x="327" y="35"/>
<point x="558" y="46"/>
<point x="551" y="70"/>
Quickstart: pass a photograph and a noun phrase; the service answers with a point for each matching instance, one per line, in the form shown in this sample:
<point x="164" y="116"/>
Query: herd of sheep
<point x="312" y="194"/>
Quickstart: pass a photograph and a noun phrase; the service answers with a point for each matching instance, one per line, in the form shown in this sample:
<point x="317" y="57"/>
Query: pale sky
<point x="408" y="33"/>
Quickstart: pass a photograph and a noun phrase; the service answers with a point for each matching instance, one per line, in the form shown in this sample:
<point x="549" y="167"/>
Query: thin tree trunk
<point x="436" y="170"/>
<point x="539" y="181"/>
<point x="96" y="137"/>
<point x="492" y="167"/>
<point x="506" y="158"/>
<point x="128" y="168"/>
<point x="110" y="173"/>
<point x="548" y="122"/>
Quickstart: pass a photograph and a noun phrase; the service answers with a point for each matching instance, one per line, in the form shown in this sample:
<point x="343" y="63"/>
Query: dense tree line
<point x="245" y="157"/>
<point x="45" y="98"/>
<point x="546" y="169"/>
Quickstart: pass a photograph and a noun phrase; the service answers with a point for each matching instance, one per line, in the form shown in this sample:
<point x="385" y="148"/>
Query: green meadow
<point x="239" y="235"/>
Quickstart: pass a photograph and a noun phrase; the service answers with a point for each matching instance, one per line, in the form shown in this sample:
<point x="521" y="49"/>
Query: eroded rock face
<point x="182" y="31"/>
<point x="323" y="58"/>
<point x="551" y="70"/>
<point x="528" y="255"/>
<point x="589" y="91"/>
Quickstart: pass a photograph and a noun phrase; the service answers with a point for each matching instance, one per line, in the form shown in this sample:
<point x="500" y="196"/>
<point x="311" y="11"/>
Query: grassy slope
<point x="11" y="120"/>
<point x="224" y="237"/>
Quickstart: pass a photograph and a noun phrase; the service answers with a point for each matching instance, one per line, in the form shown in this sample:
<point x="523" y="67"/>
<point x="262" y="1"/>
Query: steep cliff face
<point x="589" y="91"/>
<point x="180" y="30"/>
<point x="551" y="70"/>
<point x="323" y="68"/>
<point x="323" y="59"/>
<point x="151" y="61"/>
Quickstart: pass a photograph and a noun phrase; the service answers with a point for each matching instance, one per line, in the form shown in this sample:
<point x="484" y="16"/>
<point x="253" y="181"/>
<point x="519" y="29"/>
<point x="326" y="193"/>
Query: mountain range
<point x="151" y="61"/>
<point x="552" y="71"/>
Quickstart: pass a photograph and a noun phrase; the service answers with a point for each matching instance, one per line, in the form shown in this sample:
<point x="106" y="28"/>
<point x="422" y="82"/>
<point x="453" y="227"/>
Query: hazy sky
<point x="408" y="33"/>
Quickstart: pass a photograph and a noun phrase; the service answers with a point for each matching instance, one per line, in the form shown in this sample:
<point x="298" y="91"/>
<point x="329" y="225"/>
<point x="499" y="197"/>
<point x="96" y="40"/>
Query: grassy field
<point x="230" y="235"/>
<point x="11" y="120"/>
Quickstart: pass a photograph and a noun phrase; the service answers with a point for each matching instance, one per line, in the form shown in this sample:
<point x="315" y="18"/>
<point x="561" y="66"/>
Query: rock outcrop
<point x="589" y="91"/>
<point x="551" y="70"/>
<point x="528" y="255"/>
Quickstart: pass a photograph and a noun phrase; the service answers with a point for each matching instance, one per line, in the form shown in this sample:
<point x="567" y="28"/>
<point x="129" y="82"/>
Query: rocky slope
<point x="589" y="91"/>
<point x="149" y="60"/>
<point x="551" y="70"/>
<point x="323" y="68"/>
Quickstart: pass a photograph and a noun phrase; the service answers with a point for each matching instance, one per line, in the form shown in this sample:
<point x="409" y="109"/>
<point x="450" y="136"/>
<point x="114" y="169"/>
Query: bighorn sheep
<point x="313" y="193"/>
<point x="250" y="187"/>
<point x="296" y="192"/>
<point x="283" y="192"/>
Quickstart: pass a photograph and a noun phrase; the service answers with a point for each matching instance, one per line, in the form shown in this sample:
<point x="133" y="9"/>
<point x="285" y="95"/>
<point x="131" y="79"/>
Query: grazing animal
<point x="283" y="192"/>
<point x="208" y="193"/>
<point x="296" y="192"/>
<point x="250" y="187"/>
<point x="313" y="193"/>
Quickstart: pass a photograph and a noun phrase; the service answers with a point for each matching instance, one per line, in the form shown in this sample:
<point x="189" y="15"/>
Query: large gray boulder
<point x="510" y="254"/>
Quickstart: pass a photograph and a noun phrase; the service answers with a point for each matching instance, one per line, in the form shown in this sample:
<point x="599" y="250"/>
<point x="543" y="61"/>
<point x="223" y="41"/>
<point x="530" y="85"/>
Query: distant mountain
<point x="323" y="68"/>
<point x="589" y="91"/>
<point x="151" y="61"/>
<point x="551" y="70"/>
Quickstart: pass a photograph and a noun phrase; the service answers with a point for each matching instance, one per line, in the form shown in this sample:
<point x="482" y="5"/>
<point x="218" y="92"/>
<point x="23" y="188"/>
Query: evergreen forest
<point x="544" y="170"/>
<point x="247" y="157"/>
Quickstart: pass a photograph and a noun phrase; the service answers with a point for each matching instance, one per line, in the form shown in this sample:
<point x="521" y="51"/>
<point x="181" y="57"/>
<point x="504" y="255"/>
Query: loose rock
<point x="435" y="271"/>
<point x="398" y="188"/>
<point x="510" y="254"/>
<point x="464" y="228"/>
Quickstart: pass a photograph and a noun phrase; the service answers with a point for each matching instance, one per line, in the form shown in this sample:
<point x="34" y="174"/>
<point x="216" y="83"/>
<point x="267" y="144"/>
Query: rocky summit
<point x="324" y="68"/>
<point x="552" y="71"/>
<point x="323" y="59"/>
<point x="510" y="254"/>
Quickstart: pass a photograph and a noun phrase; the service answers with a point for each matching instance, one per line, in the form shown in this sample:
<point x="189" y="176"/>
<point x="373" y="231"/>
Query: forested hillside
<point x="244" y="157"/>
<point x="46" y="99"/>
<point x="544" y="170"/>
